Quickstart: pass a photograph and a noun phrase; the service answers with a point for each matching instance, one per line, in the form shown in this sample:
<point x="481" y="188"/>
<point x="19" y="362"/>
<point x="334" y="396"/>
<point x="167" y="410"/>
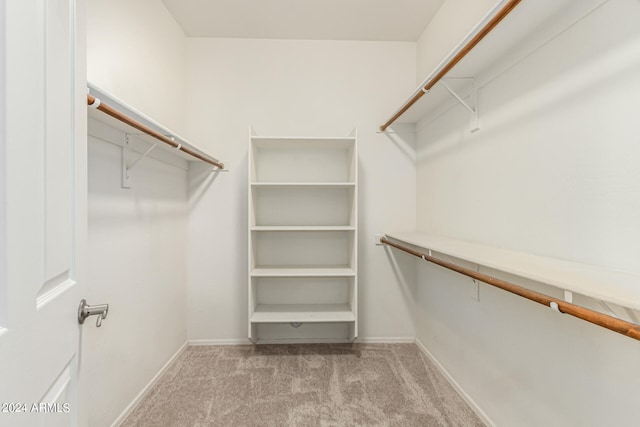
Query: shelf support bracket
<point x="127" y="167"/>
<point x="472" y="106"/>
<point x="142" y="156"/>
<point x="568" y="296"/>
<point x="608" y="309"/>
<point x="632" y="315"/>
<point x="624" y="313"/>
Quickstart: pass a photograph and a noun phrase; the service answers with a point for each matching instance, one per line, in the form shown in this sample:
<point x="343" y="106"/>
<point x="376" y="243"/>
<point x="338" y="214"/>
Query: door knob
<point x="85" y="310"/>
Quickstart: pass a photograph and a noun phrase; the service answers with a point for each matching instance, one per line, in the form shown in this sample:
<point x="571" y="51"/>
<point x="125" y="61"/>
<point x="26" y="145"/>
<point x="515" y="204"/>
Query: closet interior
<point x="454" y="177"/>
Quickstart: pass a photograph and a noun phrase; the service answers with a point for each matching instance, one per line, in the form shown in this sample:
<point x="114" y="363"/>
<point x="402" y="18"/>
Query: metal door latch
<point x="85" y="310"/>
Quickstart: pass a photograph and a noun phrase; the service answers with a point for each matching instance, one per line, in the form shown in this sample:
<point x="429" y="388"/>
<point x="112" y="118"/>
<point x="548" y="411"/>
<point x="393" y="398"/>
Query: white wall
<point x="137" y="264"/>
<point x="553" y="171"/>
<point x="137" y="237"/>
<point x="136" y="51"/>
<point x="450" y="24"/>
<point x="298" y="88"/>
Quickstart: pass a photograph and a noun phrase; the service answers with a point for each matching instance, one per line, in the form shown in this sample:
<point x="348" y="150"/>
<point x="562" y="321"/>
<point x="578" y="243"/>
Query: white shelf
<point x="601" y="283"/>
<point x="302" y="228"/>
<point x="303" y="313"/>
<point x="303" y="272"/>
<point x="128" y="110"/>
<point x="303" y="184"/>
<point x="530" y="25"/>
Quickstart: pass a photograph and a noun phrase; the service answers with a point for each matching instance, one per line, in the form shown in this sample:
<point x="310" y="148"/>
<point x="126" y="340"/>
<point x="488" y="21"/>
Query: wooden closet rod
<point x="617" y="325"/>
<point x="142" y="128"/>
<point x="499" y="16"/>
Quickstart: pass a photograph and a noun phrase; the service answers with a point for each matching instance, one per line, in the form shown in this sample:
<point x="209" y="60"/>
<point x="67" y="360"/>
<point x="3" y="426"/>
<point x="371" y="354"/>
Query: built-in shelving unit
<point x="303" y="239"/>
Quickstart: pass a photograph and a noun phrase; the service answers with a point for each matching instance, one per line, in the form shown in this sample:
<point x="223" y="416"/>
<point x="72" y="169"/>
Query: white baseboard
<point x="233" y="341"/>
<point x="129" y="409"/>
<point x="386" y="340"/>
<point x="472" y="404"/>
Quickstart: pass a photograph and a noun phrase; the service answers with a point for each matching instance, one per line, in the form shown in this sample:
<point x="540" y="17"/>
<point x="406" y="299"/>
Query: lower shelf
<point x="600" y="283"/>
<point x="301" y="271"/>
<point x="302" y="313"/>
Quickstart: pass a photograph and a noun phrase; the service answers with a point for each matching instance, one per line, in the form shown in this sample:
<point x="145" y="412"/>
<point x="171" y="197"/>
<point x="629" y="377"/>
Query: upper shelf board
<point x="125" y="108"/>
<point x="530" y="25"/>
<point x="601" y="283"/>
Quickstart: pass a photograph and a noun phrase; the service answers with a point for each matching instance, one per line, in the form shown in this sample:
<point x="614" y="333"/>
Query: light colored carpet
<point x="303" y="385"/>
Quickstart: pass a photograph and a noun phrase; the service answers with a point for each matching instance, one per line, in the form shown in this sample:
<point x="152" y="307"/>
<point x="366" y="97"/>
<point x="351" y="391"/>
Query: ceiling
<point x="379" y="20"/>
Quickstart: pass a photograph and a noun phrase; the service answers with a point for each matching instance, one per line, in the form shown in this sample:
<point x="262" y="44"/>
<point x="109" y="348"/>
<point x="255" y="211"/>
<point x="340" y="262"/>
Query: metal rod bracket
<point x="610" y="311"/>
<point x="96" y="103"/>
<point x="568" y="296"/>
<point x="126" y="166"/>
<point x="142" y="156"/>
<point x="472" y="105"/>
<point x="125" y="177"/>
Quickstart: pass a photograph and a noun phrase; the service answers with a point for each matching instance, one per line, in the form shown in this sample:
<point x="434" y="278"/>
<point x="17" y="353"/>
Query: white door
<point x="43" y="210"/>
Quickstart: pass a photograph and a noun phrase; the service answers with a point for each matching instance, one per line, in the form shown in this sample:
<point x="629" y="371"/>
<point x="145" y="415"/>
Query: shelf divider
<point x="303" y="272"/>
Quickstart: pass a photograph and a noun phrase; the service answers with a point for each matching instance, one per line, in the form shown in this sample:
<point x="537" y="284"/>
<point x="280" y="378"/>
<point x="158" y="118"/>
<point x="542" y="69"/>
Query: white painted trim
<point x="386" y="340"/>
<point x="136" y="401"/>
<point x="54" y="292"/>
<point x="472" y="404"/>
<point x="3" y="168"/>
<point x="234" y="341"/>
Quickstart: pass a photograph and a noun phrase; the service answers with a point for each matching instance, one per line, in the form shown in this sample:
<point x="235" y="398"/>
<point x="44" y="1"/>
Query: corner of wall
<point x="449" y="25"/>
<point x="472" y="403"/>
<point x="123" y="51"/>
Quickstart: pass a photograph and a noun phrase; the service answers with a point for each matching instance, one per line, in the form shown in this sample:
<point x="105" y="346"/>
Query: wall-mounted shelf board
<point x="303" y="272"/>
<point x="530" y="25"/>
<point x="303" y="313"/>
<point x="600" y="283"/>
<point x="128" y="110"/>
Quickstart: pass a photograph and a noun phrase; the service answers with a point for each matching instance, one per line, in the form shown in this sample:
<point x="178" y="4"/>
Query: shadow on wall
<point x="401" y="265"/>
<point x="399" y="134"/>
<point x="507" y="101"/>
<point x="201" y="177"/>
